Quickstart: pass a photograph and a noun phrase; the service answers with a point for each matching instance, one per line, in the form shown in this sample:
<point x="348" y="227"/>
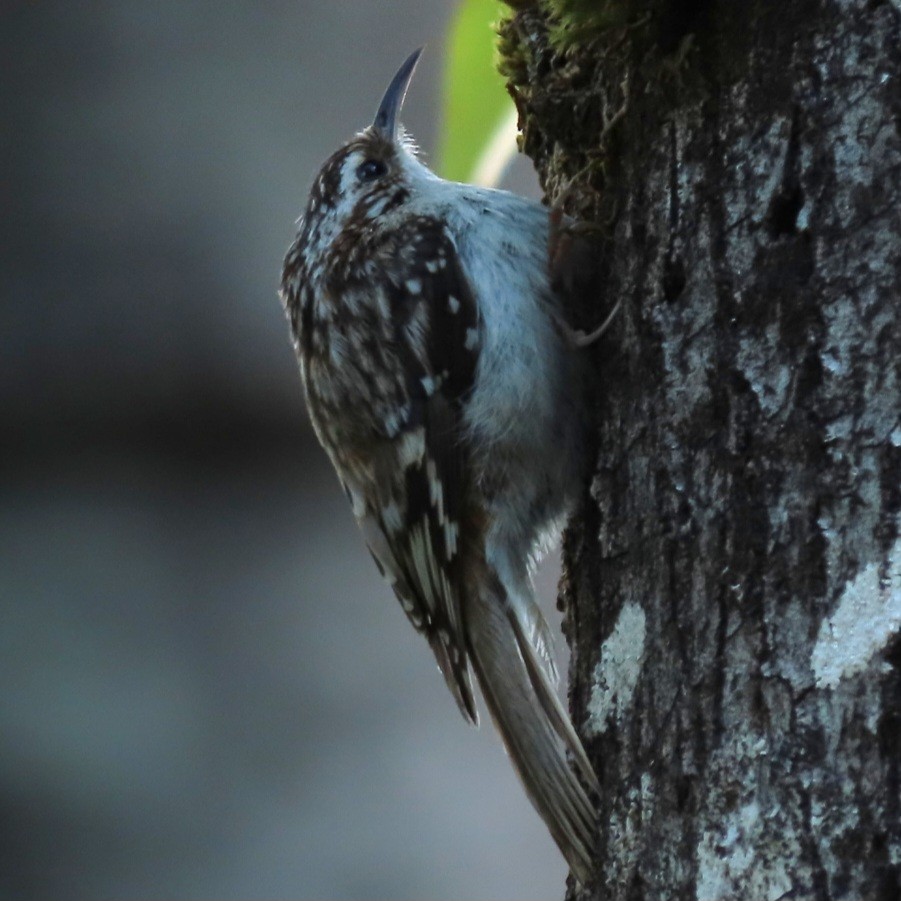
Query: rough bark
<point x="733" y="579"/>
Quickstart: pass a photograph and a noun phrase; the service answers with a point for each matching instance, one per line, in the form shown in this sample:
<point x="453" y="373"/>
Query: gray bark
<point x="733" y="578"/>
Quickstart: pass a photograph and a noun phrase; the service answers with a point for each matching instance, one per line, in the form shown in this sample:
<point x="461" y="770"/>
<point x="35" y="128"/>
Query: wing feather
<point x="414" y="529"/>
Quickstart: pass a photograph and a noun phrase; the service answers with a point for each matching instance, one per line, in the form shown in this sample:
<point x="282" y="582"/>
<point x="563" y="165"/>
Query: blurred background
<point x="207" y="691"/>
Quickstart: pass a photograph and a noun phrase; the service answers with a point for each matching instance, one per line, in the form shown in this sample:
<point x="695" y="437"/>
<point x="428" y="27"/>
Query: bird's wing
<point x="423" y="471"/>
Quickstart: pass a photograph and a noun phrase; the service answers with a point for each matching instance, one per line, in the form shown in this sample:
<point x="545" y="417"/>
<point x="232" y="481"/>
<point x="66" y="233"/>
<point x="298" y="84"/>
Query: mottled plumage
<point x="443" y="386"/>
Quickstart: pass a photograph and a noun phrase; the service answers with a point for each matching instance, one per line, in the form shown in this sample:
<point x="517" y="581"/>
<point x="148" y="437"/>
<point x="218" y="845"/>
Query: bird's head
<point x="371" y="174"/>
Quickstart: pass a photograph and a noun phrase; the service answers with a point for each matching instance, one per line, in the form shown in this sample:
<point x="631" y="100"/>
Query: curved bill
<point x="389" y="109"/>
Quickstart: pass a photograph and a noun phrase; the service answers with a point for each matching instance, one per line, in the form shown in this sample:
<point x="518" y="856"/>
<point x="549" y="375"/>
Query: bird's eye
<point x="369" y="170"/>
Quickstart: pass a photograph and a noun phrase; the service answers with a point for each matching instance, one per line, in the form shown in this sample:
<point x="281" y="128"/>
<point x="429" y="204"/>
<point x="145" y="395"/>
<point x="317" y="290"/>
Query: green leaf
<point x="475" y="101"/>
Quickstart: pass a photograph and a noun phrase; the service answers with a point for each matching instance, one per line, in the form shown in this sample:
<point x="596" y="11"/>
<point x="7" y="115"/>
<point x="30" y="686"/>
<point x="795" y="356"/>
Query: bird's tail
<point x="534" y="725"/>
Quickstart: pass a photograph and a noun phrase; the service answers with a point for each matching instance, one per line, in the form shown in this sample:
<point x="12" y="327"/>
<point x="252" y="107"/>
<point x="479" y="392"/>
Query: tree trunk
<point x="733" y="579"/>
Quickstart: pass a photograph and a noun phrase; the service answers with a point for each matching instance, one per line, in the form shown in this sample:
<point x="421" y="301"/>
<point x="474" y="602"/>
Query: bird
<point x="445" y="385"/>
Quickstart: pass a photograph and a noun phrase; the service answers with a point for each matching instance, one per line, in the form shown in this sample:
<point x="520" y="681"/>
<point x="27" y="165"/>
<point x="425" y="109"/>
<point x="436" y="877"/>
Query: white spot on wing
<point x="432" y="579"/>
<point x="391" y="516"/>
<point x="414" y="285"/>
<point x="357" y="504"/>
<point x="436" y="489"/>
<point x="395" y="420"/>
<point x="472" y="339"/>
<point x="451" y="531"/>
<point x="416" y="330"/>
<point x="412" y="447"/>
<point x="424" y="563"/>
<point x="453" y="304"/>
<point x="384" y="305"/>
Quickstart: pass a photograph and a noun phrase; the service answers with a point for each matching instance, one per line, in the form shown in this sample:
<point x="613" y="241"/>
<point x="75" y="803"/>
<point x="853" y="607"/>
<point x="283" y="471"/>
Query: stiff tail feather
<point x="536" y="729"/>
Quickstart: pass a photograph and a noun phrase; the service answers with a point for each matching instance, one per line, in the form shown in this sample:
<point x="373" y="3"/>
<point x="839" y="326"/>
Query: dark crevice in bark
<point x="819" y="876"/>
<point x="888" y="733"/>
<point x="674" y="275"/>
<point x="787" y="203"/>
<point x="674" y="278"/>
<point x="677" y="20"/>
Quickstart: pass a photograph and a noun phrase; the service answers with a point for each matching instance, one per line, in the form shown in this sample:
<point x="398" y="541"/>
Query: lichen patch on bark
<point x="867" y="616"/>
<point x="617" y="673"/>
<point x="730" y="863"/>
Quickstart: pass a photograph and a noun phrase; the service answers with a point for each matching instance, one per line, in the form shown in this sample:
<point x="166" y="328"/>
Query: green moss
<point x="581" y="21"/>
<point x="512" y="57"/>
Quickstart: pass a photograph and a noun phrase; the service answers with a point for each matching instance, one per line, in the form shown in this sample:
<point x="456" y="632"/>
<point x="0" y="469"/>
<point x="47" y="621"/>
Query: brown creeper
<point x="443" y="385"/>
